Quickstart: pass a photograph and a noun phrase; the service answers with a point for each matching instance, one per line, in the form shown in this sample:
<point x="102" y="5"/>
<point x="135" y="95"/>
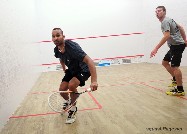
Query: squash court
<point x="130" y="99"/>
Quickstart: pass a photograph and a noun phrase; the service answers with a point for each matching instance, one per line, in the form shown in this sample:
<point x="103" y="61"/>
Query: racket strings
<point x="57" y="102"/>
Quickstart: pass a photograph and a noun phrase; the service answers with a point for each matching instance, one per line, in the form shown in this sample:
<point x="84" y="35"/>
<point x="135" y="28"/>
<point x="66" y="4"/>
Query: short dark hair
<point x="163" y="8"/>
<point x="58" y="29"/>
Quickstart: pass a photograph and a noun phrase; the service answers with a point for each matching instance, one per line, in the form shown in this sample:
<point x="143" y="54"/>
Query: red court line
<point x="96" y="102"/>
<point x="47" y="64"/>
<point x="52" y="91"/>
<point x="50" y="113"/>
<point x="142" y="83"/>
<point x="182" y="97"/>
<point x="111" y="58"/>
<point x="145" y="84"/>
<point x="120" y="57"/>
<point x="40" y="92"/>
<point x="93" y="37"/>
<point x="31" y="115"/>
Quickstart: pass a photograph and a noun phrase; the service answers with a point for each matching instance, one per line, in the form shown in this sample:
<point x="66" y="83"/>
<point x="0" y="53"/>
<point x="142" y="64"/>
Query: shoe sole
<point x="70" y="121"/>
<point x="175" y="94"/>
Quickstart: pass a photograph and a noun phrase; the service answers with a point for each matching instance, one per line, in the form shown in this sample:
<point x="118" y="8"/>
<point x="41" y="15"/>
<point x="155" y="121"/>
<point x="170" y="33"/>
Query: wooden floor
<point x="130" y="99"/>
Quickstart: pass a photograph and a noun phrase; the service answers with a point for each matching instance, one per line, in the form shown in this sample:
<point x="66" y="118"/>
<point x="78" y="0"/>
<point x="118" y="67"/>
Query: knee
<point x="62" y="89"/>
<point x="174" y="69"/>
<point x="63" y="86"/>
<point x="72" y="85"/>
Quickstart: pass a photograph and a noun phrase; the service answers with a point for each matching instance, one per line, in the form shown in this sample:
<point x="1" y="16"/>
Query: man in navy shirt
<point x="80" y="68"/>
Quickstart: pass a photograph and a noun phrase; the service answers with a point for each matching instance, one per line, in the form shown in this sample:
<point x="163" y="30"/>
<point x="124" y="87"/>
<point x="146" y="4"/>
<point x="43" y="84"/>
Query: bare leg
<point x="168" y="67"/>
<point x="73" y="84"/>
<point x="178" y="75"/>
<point x="64" y="87"/>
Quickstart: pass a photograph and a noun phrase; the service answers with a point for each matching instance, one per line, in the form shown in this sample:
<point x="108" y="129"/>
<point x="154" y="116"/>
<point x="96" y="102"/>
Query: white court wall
<point x="23" y="23"/>
<point x="94" y="18"/>
<point x="86" y="18"/>
<point x="17" y="54"/>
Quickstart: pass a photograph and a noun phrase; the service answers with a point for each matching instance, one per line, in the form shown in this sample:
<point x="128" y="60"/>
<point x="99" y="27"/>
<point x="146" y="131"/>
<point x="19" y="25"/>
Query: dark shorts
<point x="174" y="55"/>
<point x="82" y="77"/>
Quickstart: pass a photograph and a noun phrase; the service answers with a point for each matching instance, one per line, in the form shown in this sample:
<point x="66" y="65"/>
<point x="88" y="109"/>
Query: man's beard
<point x="57" y="43"/>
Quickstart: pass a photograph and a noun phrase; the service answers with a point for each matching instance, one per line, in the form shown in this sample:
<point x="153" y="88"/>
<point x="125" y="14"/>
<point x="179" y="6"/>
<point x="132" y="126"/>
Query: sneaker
<point x="173" y="84"/>
<point x="66" y="104"/>
<point x="175" y="92"/>
<point x="71" y="116"/>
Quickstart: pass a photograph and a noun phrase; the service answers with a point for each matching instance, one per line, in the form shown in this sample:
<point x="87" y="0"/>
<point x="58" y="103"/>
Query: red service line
<point x="112" y="58"/>
<point x="147" y="85"/>
<point x="142" y="83"/>
<point x="93" y="37"/>
<point x="96" y="102"/>
<point x="120" y="57"/>
<point x="50" y="113"/>
<point x="99" y="106"/>
<point x="47" y="64"/>
<point x="48" y="92"/>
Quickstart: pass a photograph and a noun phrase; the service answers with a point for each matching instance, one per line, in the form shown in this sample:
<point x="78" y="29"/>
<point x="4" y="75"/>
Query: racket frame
<point x="69" y="107"/>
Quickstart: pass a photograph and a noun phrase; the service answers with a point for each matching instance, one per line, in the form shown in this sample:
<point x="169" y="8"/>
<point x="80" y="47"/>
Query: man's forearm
<point x="93" y="73"/>
<point x="63" y="65"/>
<point x="183" y="34"/>
<point x="92" y="68"/>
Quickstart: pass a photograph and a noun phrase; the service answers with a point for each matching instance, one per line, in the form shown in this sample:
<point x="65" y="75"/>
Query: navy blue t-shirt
<point x="72" y="57"/>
